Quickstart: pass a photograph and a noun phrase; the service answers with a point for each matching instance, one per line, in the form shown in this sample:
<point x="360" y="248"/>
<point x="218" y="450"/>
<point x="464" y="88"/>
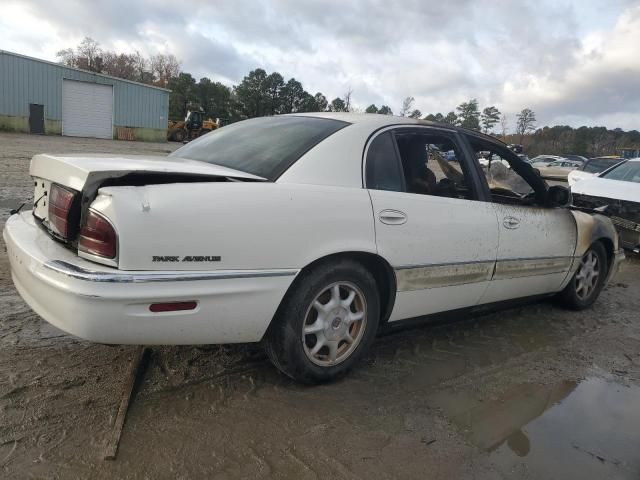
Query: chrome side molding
<point x="74" y="271"/>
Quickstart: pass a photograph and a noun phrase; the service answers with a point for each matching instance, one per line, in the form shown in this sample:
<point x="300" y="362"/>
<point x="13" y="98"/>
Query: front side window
<point x="265" y="146"/>
<point x="510" y="180"/>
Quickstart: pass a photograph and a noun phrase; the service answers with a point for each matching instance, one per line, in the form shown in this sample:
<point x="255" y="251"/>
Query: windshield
<point x="626" y="172"/>
<point x="265" y="146"/>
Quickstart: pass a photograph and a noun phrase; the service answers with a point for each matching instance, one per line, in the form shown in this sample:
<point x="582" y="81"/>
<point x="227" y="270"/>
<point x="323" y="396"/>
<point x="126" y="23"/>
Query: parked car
<point x="592" y="167"/>
<point x="484" y="162"/>
<point x="577" y="158"/>
<point x="542" y="160"/>
<point x="308" y="232"/>
<point x="558" y="170"/>
<point x="617" y="189"/>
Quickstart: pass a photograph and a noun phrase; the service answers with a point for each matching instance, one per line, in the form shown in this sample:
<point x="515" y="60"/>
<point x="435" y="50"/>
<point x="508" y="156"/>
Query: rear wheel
<point x="588" y="281"/>
<point x="326" y="323"/>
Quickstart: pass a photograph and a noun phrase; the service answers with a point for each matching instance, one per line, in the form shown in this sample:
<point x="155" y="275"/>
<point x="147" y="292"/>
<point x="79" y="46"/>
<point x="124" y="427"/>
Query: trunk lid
<point x="73" y="170"/>
<point x="87" y="173"/>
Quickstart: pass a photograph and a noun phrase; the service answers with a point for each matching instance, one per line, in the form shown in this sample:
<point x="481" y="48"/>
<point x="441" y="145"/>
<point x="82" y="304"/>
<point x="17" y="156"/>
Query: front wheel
<point x="326" y="323"/>
<point x="588" y="281"/>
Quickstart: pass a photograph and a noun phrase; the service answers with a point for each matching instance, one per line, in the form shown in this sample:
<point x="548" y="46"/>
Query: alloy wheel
<point x="587" y="275"/>
<point x="334" y="324"/>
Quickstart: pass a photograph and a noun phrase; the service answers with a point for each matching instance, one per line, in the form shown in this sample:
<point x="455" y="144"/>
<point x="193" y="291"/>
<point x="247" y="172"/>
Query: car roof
<point x="377" y="120"/>
<point x="325" y="164"/>
<point x="370" y="118"/>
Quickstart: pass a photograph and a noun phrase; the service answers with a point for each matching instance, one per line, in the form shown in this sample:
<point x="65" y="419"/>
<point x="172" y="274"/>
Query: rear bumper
<point x="107" y="305"/>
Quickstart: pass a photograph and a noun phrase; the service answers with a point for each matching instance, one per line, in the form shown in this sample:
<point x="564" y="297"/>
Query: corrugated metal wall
<point x="24" y="81"/>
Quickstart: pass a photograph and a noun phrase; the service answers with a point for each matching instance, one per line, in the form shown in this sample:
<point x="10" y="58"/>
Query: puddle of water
<point x="566" y="430"/>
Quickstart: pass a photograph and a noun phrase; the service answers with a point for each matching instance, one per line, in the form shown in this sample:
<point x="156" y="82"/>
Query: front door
<point x="441" y="243"/>
<point x="36" y="118"/>
<point x="536" y="243"/>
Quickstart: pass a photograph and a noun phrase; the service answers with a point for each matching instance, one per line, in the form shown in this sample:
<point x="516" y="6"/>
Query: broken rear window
<point x="265" y="146"/>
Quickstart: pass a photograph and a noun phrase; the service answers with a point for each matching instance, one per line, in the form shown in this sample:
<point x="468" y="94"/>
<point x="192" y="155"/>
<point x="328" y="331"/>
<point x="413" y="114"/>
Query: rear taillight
<point x="60" y="203"/>
<point x="97" y="236"/>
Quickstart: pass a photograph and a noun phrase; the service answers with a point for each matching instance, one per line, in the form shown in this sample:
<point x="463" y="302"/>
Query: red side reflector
<point x="172" y="306"/>
<point x="97" y="236"/>
<point x="60" y="201"/>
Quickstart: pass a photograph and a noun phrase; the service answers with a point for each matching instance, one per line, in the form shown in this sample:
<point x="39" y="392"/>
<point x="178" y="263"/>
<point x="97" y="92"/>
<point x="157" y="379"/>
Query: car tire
<point x="337" y="333"/>
<point x="587" y="283"/>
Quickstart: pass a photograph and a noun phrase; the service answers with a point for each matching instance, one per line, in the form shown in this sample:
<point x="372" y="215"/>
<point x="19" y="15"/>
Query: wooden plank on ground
<point x="130" y="381"/>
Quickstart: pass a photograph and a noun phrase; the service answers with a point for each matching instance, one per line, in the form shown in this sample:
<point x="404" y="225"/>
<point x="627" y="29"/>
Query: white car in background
<point x="542" y="160"/>
<point x="494" y="160"/>
<point x="558" y="169"/>
<point x="619" y="190"/>
<point x="592" y="167"/>
<point x="307" y="232"/>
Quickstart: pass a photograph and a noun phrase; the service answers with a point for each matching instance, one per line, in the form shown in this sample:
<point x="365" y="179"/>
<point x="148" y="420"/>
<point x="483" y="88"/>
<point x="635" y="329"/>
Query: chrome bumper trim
<point x="73" y="271"/>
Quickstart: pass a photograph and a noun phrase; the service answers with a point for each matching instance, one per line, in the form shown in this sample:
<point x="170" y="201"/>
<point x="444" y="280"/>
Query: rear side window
<point x="265" y="146"/>
<point x="598" y="165"/>
<point x="383" y="169"/>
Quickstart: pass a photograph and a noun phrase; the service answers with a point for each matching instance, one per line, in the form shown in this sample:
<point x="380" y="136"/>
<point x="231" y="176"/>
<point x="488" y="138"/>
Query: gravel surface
<point x="531" y="392"/>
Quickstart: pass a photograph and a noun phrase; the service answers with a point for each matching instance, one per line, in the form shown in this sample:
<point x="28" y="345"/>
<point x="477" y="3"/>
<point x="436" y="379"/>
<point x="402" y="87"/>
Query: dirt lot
<point x="532" y="392"/>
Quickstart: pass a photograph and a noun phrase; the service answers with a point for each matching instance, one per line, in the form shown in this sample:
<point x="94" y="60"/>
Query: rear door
<point x="442" y="245"/>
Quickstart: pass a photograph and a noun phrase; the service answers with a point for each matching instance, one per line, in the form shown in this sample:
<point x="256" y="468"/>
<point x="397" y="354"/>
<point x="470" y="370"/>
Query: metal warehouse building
<point x="44" y="97"/>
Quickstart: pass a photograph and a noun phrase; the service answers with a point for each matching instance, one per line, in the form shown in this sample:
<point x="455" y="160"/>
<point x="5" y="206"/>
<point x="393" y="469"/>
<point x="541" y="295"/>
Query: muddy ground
<point x="531" y="392"/>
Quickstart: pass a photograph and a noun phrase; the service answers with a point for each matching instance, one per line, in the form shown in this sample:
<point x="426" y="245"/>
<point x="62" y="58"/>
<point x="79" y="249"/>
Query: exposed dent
<point x="96" y="180"/>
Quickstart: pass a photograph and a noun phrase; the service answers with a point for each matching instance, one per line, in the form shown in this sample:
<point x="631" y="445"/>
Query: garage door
<point x="87" y="109"/>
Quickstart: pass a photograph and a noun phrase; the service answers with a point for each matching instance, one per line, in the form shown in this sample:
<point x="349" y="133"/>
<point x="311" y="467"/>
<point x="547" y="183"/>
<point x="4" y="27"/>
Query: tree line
<point x="261" y="93"/>
<point x="155" y="70"/>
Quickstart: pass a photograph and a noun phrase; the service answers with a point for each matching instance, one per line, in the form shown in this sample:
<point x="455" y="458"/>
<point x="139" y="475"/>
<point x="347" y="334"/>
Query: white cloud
<point x="572" y="61"/>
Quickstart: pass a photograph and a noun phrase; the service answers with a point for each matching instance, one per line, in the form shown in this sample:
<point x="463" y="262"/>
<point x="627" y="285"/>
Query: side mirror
<point x="558" y="196"/>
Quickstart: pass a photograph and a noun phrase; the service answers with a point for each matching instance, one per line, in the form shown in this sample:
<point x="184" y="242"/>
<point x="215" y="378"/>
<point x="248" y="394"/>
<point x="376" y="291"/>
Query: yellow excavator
<point x="194" y="125"/>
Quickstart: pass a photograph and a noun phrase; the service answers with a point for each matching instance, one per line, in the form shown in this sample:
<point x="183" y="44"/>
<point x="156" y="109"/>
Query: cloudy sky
<point x="573" y="62"/>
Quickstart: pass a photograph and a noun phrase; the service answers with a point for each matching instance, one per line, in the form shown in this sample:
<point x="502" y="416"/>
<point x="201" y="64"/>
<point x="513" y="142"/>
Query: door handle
<point x="392" y="217"/>
<point x="511" y="222"/>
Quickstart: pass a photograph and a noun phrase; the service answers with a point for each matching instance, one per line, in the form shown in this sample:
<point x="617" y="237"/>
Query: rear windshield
<point x="265" y="146"/>
<point x="627" y="172"/>
<point x="597" y="165"/>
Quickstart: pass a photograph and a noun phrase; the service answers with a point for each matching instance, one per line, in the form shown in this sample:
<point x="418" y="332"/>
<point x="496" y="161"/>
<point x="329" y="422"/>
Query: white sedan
<point x="307" y="232"/>
<point x="591" y="168"/>
<point x="617" y="189"/>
